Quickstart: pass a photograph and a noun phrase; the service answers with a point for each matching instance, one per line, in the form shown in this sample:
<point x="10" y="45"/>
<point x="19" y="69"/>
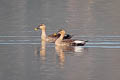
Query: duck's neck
<point x="58" y="41"/>
<point x="43" y="35"/>
<point x="61" y="37"/>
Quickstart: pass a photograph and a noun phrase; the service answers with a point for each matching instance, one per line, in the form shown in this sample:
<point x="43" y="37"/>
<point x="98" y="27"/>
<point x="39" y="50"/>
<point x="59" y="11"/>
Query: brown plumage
<point x="68" y="42"/>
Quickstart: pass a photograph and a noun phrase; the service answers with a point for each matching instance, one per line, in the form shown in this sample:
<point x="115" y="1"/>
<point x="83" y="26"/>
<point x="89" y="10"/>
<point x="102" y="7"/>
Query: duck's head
<point x="57" y="34"/>
<point x="41" y="26"/>
<point x="62" y="31"/>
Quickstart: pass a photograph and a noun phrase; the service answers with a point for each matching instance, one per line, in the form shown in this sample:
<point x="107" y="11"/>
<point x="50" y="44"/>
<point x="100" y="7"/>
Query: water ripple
<point x="107" y="42"/>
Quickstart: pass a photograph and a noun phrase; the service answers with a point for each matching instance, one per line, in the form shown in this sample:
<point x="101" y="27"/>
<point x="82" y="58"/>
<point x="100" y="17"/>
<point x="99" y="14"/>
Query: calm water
<point x="24" y="57"/>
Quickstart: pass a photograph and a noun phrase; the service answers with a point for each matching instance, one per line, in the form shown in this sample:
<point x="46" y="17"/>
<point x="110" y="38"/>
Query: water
<point x="24" y="57"/>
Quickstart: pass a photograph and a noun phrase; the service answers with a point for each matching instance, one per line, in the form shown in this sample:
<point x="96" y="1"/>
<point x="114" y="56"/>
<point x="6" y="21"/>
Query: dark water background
<point x="24" y="57"/>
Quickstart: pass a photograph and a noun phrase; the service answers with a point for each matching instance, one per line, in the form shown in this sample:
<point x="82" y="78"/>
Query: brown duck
<point x="50" y="38"/>
<point x="68" y="42"/>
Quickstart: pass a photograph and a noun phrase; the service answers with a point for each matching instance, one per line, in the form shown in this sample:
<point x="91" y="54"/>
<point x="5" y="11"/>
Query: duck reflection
<point x="41" y="51"/>
<point x="74" y="49"/>
<point x="61" y="50"/>
<point x="61" y="55"/>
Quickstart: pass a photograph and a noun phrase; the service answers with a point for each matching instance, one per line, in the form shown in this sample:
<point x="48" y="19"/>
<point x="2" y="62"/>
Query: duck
<point x="68" y="42"/>
<point x="50" y="38"/>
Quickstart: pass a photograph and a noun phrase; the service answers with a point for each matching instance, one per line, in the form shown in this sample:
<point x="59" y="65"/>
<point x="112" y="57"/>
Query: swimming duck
<point x="50" y="38"/>
<point x="68" y="42"/>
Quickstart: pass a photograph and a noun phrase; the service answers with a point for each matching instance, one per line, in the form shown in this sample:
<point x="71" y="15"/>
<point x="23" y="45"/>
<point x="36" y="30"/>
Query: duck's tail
<point x="86" y="41"/>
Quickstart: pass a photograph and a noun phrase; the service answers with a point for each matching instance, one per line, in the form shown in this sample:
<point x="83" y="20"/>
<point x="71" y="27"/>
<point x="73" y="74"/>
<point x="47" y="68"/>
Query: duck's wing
<point x="51" y="39"/>
<point x="54" y="35"/>
<point x="74" y="42"/>
<point x="68" y="41"/>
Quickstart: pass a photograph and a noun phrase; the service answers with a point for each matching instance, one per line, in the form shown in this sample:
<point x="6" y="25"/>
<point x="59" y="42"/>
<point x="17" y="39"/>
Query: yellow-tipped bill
<point x="35" y="29"/>
<point x="55" y="34"/>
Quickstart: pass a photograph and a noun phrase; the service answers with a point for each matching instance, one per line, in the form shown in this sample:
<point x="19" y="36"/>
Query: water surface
<point x="24" y="57"/>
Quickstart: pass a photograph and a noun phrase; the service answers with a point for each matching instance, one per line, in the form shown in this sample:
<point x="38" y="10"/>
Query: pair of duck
<point x="60" y="38"/>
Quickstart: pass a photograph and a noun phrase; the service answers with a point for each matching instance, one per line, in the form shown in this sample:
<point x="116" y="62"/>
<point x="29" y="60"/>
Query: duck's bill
<point x="35" y="29"/>
<point x="54" y="34"/>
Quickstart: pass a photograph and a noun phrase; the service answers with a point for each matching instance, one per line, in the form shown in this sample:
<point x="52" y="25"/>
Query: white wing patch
<point x="77" y="41"/>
